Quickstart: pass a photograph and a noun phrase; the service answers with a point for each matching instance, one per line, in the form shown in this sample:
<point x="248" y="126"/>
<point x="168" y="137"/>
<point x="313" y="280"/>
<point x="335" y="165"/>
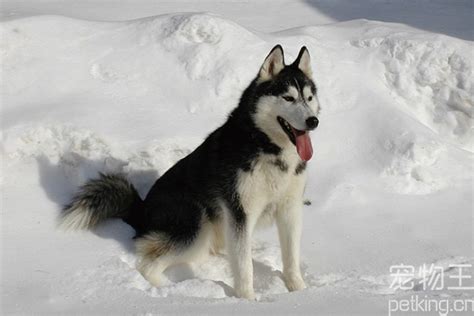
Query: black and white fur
<point x="245" y="173"/>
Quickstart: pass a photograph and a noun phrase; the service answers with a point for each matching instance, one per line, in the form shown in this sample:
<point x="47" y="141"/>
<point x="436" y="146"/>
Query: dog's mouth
<point x="300" y="139"/>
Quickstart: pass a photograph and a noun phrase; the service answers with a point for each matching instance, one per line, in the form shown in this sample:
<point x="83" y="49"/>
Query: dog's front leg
<point x="288" y="220"/>
<point x="239" y="247"/>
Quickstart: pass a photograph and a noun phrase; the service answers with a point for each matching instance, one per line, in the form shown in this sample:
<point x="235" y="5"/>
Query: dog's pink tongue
<point x="303" y="145"/>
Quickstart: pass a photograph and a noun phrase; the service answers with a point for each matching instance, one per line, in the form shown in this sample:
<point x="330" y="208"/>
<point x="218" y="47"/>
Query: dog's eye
<point x="289" y="98"/>
<point x="310" y="98"/>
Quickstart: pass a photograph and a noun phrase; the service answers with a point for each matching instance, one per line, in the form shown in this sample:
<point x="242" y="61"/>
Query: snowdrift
<point x="390" y="182"/>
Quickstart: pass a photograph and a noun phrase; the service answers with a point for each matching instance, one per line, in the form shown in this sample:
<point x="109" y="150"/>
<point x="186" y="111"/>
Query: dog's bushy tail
<point x="111" y="195"/>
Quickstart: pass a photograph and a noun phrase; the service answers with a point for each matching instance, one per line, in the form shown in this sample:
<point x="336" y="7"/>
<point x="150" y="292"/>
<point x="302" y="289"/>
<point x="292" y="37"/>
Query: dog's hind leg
<point x="156" y="251"/>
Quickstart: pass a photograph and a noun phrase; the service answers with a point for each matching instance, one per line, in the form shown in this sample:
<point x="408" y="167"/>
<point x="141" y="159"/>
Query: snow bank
<point x="390" y="181"/>
<point x="433" y="78"/>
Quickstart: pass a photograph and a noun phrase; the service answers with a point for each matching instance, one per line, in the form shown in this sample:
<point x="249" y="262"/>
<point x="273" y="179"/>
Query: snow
<point x="390" y="181"/>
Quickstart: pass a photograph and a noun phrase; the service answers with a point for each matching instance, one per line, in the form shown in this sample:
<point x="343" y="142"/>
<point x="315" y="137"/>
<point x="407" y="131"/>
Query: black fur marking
<point x="238" y="214"/>
<point x="300" y="167"/>
<point x="289" y="76"/>
<point x="283" y="166"/>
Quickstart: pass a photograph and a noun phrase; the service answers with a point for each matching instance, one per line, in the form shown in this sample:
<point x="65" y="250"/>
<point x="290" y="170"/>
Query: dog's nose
<point x="312" y="122"/>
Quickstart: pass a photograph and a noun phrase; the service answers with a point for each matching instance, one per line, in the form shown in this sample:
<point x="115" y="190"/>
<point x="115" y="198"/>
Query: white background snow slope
<point x="390" y="182"/>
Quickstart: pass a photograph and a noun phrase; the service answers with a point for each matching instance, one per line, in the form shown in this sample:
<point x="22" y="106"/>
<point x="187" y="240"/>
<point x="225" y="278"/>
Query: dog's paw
<point x="245" y="292"/>
<point x="294" y="283"/>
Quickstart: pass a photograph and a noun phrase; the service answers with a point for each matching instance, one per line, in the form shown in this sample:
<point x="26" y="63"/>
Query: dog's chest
<point x="269" y="179"/>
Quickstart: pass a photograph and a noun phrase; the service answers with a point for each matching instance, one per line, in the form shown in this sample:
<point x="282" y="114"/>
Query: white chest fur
<point x="272" y="181"/>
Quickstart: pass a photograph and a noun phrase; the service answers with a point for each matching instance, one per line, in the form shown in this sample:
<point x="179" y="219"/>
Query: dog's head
<point x="287" y="106"/>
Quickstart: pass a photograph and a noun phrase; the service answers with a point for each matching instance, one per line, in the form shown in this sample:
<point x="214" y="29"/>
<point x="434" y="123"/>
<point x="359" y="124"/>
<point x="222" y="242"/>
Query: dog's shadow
<point x="62" y="179"/>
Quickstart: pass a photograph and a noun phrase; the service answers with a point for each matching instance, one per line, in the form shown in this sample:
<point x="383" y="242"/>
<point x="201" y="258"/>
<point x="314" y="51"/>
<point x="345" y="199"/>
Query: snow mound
<point x="81" y="155"/>
<point x="200" y="42"/>
<point x="433" y="79"/>
<point x="414" y="166"/>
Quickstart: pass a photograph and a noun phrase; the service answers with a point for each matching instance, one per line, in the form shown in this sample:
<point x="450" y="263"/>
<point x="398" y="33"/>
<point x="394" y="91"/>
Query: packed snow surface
<point x="390" y="182"/>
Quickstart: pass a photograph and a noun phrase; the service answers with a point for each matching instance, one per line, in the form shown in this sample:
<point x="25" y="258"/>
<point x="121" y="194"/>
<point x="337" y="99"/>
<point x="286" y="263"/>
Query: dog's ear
<point x="273" y="64"/>
<point x="303" y="62"/>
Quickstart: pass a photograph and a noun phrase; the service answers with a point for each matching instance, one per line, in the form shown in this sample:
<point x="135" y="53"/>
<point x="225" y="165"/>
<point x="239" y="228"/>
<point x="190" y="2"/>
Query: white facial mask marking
<point x="293" y="92"/>
<point x="295" y="113"/>
<point x="298" y="112"/>
<point x="314" y="103"/>
<point x="270" y="107"/>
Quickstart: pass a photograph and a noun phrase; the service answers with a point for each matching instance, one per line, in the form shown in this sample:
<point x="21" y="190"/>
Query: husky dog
<point x="249" y="171"/>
